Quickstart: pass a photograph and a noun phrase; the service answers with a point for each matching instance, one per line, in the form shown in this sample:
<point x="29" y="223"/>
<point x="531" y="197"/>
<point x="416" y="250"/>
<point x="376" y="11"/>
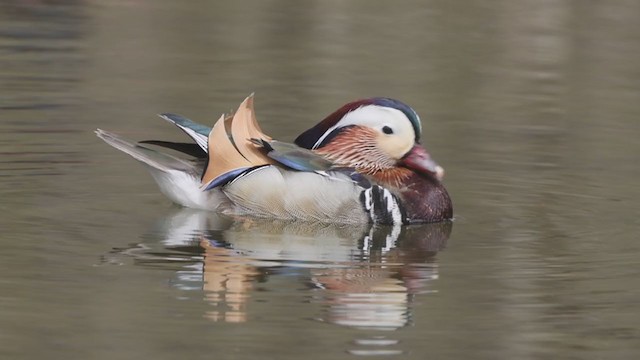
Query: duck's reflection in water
<point x="365" y="276"/>
<point x="375" y="290"/>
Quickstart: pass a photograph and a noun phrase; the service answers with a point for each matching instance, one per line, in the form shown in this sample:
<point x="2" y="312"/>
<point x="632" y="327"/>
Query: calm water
<point x="533" y="108"/>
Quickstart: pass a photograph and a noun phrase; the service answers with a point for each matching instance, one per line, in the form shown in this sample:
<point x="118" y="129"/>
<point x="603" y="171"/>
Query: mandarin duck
<point x="362" y="163"/>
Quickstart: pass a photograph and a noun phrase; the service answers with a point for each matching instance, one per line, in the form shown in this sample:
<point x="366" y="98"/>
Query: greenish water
<point x="532" y="107"/>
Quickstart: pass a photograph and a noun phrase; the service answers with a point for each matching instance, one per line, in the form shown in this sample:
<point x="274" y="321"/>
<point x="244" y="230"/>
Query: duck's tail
<point x="178" y="179"/>
<point x="154" y="159"/>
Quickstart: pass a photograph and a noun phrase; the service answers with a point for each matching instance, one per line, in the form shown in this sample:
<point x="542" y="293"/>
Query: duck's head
<point x="372" y="135"/>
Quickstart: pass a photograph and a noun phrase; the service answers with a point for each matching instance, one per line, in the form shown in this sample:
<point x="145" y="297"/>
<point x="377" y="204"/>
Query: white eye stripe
<point x="374" y="116"/>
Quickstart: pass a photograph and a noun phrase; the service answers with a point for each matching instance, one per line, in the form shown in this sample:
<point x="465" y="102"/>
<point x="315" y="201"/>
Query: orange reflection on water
<point x="228" y="282"/>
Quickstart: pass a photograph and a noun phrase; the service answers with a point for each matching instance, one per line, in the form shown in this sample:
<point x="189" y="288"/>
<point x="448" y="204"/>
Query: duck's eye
<point x="387" y="130"/>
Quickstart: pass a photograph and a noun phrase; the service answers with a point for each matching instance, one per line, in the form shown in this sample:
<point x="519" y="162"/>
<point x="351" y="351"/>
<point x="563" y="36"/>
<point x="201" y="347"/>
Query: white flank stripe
<point x="368" y="204"/>
<point x="392" y="207"/>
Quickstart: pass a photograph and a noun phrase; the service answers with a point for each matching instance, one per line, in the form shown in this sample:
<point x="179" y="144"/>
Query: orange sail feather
<point x="229" y="152"/>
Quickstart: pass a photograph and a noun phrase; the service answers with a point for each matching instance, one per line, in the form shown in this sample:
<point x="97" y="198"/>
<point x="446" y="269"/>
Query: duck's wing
<point x="198" y="132"/>
<point x="231" y="151"/>
<point x="293" y="156"/>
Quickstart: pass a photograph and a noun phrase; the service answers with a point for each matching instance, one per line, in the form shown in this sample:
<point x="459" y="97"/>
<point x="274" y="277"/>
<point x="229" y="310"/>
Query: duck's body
<point x="361" y="164"/>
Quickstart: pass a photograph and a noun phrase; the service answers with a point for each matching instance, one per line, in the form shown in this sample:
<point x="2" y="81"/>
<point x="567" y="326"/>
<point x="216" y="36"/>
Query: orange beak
<point x="419" y="160"/>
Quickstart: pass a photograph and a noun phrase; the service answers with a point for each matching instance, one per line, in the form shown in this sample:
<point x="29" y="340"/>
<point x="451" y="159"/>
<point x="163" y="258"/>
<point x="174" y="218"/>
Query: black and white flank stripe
<point x="382" y="206"/>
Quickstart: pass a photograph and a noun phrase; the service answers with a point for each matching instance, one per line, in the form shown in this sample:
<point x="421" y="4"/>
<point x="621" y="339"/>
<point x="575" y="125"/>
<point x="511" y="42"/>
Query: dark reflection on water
<point x="364" y="277"/>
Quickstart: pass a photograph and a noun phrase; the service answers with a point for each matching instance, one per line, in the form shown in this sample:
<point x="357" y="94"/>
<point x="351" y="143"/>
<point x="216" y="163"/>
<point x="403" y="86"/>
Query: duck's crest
<point x="230" y="149"/>
<point x="310" y="138"/>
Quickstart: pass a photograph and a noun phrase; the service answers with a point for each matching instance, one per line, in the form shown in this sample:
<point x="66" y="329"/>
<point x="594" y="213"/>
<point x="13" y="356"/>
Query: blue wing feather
<point x="226" y="177"/>
<point x="293" y="156"/>
<point x="198" y="132"/>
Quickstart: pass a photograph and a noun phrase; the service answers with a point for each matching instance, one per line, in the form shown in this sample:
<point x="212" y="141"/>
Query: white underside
<point x="184" y="189"/>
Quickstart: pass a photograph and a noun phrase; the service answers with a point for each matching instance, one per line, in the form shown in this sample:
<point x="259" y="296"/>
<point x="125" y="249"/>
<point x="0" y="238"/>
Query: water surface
<point x="532" y="107"/>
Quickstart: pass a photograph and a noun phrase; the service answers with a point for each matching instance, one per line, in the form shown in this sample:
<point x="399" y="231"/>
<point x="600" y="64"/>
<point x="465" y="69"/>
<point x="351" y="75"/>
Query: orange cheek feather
<point x="356" y="147"/>
<point x="394" y="177"/>
<point x="355" y="137"/>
